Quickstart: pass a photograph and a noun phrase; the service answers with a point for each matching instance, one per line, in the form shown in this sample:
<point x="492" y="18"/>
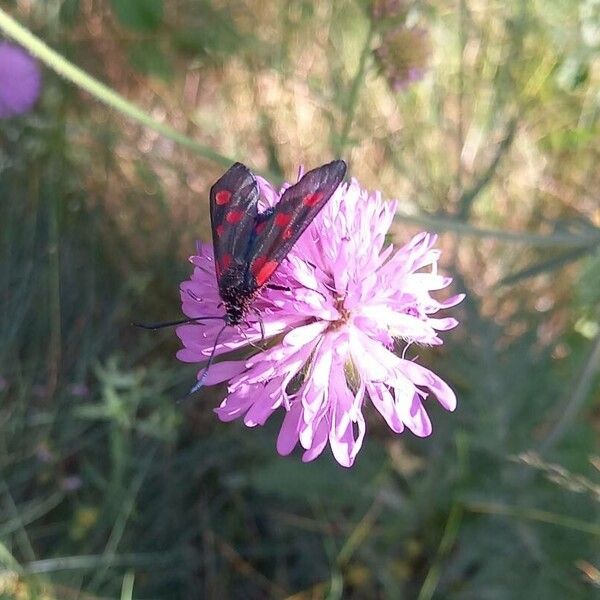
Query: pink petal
<point x="415" y="417"/>
<point x="314" y="404"/>
<point x="190" y="356"/>
<point x="318" y="442"/>
<point x="235" y="405"/>
<point x="344" y="444"/>
<point x="222" y="371"/>
<point x="319" y="375"/>
<point x="263" y="407"/>
<point x="346" y="447"/>
<point x="443" y="324"/>
<point x="426" y="378"/>
<point x="288" y="434"/>
<point x="384" y="402"/>
<point x="371" y="358"/>
<point x="268" y="194"/>
<point x="429" y="281"/>
<point x="303" y="335"/>
<point x="452" y="301"/>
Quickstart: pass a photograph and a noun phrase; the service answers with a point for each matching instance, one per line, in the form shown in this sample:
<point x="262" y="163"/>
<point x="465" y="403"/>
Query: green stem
<point x="448" y="539"/>
<point x="578" y="394"/>
<point x="534" y="514"/>
<point x="354" y="90"/>
<point x="551" y="240"/>
<point x="101" y="92"/>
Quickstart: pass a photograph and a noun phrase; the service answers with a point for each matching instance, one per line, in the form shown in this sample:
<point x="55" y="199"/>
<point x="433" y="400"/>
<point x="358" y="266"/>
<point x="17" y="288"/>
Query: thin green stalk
<point x="552" y="240"/>
<point x="578" y="393"/>
<point x="460" y="126"/>
<point x="22" y="538"/>
<point x="55" y="344"/>
<point x="361" y="532"/>
<point x="127" y="587"/>
<point x="98" y="90"/>
<point x="448" y="538"/>
<point x="534" y="514"/>
<point x="89" y="562"/>
<point x="31" y="514"/>
<point x="355" y="89"/>
<point x="128" y="505"/>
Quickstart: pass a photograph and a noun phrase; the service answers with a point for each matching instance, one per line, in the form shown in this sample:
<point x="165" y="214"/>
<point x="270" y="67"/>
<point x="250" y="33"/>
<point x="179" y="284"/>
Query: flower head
<point x="384" y="9"/>
<point x="403" y="56"/>
<point x="340" y="303"/>
<point x="20" y="80"/>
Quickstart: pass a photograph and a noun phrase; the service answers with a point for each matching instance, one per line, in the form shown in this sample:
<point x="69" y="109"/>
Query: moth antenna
<point x="171" y="323"/>
<point x="202" y="378"/>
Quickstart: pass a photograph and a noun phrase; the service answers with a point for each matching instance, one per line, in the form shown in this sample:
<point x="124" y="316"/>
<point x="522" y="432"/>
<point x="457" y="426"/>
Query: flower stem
<point x="355" y="89"/>
<point x="97" y="89"/>
<point x="534" y="514"/>
<point x="448" y="538"/>
<point x="577" y="397"/>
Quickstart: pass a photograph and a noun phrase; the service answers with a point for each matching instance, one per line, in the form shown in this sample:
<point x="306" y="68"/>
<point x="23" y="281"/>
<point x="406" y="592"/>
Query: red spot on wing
<point x="282" y="219"/>
<point x="220" y="229"/>
<point x="312" y="199"/>
<point x="267" y="269"/>
<point x="225" y="262"/>
<point x="222" y="197"/>
<point x="262" y="269"/>
<point x="234" y="216"/>
<point x="287" y="234"/>
<point x="257" y="264"/>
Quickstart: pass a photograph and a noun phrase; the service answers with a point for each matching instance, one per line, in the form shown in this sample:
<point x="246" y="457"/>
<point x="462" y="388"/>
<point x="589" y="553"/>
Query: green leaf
<point x="142" y="15"/>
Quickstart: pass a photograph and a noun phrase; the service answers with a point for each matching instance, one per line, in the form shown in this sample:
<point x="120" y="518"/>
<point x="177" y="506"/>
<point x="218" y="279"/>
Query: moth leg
<point x="249" y="340"/>
<point x="281" y="288"/>
<point x="261" y="323"/>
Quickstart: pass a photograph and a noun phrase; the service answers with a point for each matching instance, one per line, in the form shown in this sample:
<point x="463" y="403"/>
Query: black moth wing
<point x="287" y="220"/>
<point x="233" y="214"/>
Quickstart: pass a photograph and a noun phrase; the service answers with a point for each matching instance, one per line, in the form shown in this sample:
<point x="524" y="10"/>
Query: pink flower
<point x="403" y="56"/>
<point x="341" y="302"/>
<point x="20" y="80"/>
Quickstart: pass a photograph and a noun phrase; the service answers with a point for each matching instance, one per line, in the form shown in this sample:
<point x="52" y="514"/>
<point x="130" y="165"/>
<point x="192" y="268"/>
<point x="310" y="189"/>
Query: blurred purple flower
<point x="71" y="483"/>
<point x="79" y="390"/>
<point x="403" y="56"/>
<point x="20" y="80"/>
<point x="385" y="9"/>
<point x="330" y="332"/>
<point x="44" y="454"/>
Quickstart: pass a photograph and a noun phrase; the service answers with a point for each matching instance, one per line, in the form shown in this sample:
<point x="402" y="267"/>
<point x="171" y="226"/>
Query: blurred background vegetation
<point x="481" y="117"/>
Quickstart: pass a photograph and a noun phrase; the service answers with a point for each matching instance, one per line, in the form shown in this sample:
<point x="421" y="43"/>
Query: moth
<point x="250" y="245"/>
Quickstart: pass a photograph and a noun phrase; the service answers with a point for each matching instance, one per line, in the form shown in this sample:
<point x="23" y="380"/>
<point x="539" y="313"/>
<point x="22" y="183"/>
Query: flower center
<point x="344" y="313"/>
